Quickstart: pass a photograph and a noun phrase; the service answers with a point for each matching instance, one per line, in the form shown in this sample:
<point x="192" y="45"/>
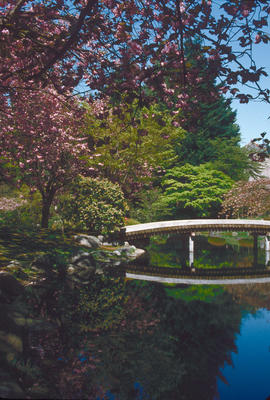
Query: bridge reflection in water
<point x="186" y="229"/>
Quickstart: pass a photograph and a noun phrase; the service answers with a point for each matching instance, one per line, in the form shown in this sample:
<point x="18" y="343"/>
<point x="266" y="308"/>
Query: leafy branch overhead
<point x="122" y="47"/>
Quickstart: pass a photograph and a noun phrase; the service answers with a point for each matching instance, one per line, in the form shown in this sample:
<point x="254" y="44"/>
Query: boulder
<point x="83" y="259"/>
<point x="85" y="274"/>
<point x="82" y="266"/>
<point x="138" y="253"/>
<point x="99" y="271"/>
<point x="70" y="270"/>
<point x="101" y="238"/>
<point x="131" y="252"/>
<point x="88" y="241"/>
<point x="14" y="263"/>
<point x="42" y="262"/>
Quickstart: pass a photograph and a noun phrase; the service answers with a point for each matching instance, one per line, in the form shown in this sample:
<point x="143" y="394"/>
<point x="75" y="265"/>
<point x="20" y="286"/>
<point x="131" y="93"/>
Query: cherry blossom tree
<point x="117" y="45"/>
<point x="42" y="137"/>
<point x="38" y="40"/>
<point x="151" y="44"/>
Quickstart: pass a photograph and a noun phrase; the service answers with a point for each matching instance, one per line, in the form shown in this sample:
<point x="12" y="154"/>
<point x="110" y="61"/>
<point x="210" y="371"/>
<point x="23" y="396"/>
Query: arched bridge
<point x="188" y="226"/>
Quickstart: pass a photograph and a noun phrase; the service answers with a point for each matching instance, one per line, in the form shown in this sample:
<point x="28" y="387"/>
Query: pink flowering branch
<point x="42" y="137"/>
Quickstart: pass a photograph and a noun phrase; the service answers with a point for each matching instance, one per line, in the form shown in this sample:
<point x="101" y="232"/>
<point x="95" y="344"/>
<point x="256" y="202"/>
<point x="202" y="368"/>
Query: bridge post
<point x="267" y="242"/>
<point x="267" y="258"/>
<point x="191" y="242"/>
<point x="191" y="249"/>
<point x="191" y="258"/>
<point x="267" y="249"/>
<point x="255" y="249"/>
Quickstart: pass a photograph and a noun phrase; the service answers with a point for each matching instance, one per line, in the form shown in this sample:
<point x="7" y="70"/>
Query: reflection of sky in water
<point x="249" y="377"/>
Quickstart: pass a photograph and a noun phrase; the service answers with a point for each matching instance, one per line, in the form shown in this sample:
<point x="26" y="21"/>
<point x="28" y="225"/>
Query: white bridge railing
<point x="197" y="225"/>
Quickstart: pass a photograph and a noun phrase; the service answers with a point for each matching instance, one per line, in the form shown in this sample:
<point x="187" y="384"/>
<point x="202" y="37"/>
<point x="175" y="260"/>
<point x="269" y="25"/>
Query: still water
<point x="125" y="339"/>
<point x="222" y="332"/>
<point x="248" y="376"/>
<point x="210" y="343"/>
<point x="223" y="251"/>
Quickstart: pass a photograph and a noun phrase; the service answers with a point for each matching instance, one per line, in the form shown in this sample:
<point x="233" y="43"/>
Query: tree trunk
<point x="46" y="205"/>
<point x="45" y="214"/>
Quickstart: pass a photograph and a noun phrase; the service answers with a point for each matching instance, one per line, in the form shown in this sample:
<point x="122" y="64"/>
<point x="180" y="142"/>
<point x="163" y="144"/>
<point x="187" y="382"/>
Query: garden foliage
<point x="115" y="46"/>
<point x="192" y="191"/>
<point x="93" y="205"/>
<point x="132" y="145"/>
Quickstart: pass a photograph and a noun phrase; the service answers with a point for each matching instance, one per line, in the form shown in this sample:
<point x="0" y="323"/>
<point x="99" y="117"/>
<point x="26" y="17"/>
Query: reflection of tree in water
<point x="251" y="296"/>
<point x="172" y="251"/>
<point x="124" y="338"/>
<point x="232" y="254"/>
<point x="180" y="358"/>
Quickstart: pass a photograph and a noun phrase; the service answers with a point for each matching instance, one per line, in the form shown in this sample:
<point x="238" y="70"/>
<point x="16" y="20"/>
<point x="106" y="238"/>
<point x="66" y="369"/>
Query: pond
<point x="211" y="342"/>
<point x="126" y="339"/>
<point x="223" y="332"/>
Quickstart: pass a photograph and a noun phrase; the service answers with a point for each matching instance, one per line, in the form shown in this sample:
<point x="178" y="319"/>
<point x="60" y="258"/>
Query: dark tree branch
<point x="74" y="32"/>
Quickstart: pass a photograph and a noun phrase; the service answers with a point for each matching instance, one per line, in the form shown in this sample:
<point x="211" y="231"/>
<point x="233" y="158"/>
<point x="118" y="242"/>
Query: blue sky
<point x="252" y="117"/>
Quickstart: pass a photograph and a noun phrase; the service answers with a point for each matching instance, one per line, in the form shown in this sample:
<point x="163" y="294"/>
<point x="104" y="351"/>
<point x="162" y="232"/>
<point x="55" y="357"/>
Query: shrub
<point x="93" y="205"/>
<point x="192" y="192"/>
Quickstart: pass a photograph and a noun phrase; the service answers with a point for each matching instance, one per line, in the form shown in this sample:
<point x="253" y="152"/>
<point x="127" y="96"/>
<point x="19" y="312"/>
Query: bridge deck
<point x="196" y="225"/>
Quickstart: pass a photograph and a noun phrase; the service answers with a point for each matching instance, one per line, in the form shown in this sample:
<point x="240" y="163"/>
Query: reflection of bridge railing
<point x="206" y="273"/>
<point x="200" y="281"/>
<point x="259" y="227"/>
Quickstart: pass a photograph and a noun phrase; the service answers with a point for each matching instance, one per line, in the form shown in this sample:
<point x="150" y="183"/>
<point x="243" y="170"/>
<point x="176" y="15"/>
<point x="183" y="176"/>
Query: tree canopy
<point x="123" y="46"/>
<point x="120" y="52"/>
<point x="133" y="145"/>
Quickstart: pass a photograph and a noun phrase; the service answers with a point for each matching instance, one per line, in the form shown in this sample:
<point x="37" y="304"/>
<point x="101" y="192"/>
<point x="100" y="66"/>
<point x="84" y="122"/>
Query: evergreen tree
<point x="203" y="119"/>
<point x="208" y="122"/>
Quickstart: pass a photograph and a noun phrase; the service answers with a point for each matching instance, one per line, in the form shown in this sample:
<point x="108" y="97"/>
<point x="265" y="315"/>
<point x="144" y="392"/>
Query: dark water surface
<point x="221" y="334"/>
<point x="212" y="342"/>
<point x="123" y="339"/>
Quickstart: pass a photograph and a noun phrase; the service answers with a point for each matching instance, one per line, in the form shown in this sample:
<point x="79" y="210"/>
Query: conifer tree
<point x="203" y="117"/>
